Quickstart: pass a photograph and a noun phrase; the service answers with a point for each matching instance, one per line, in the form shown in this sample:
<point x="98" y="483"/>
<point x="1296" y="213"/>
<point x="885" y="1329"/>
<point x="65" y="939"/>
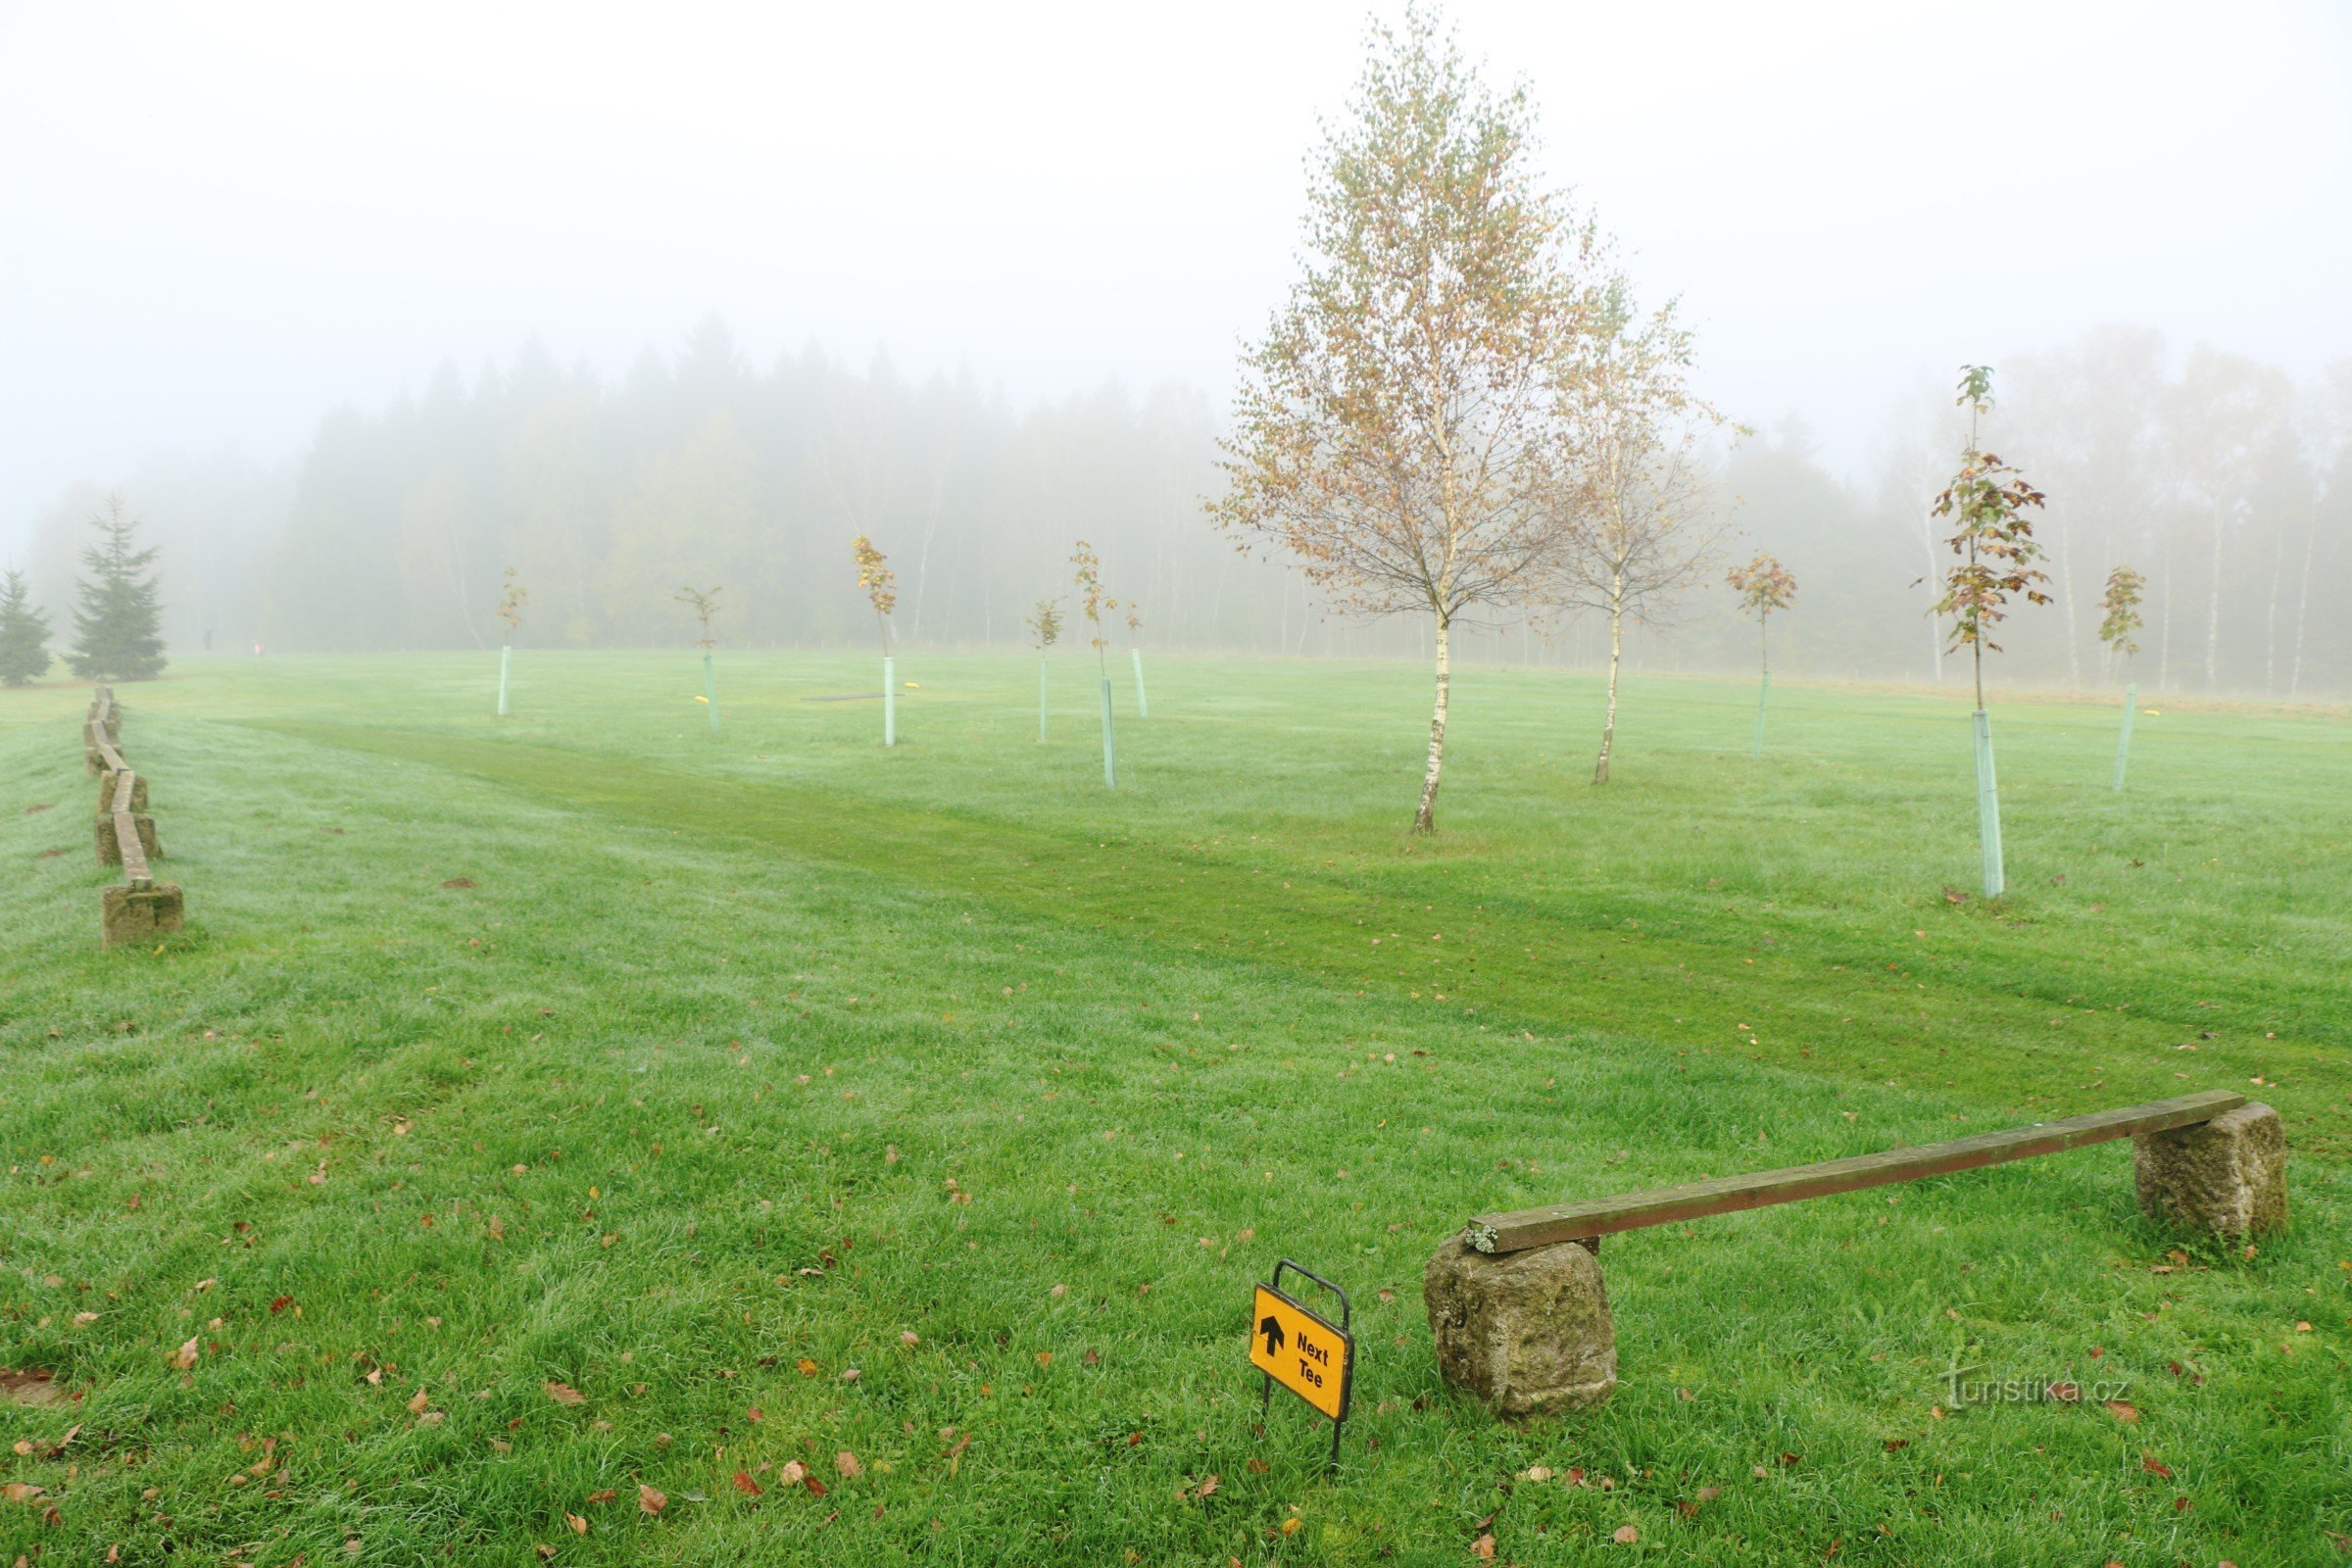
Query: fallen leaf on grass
<point x="845" y="1463"/>
<point x="746" y="1485"/>
<point x="185" y="1357"/>
<point x="605" y="1495"/>
<point x="1625" y="1535"/>
<point x="565" y="1393"/>
<point x="418" y="1404"/>
<point x="2128" y="1414"/>
<point x="650" y="1500"/>
<point x="580" y="1526"/>
<point x="1483" y="1548"/>
<point x="2155" y="1466"/>
<point x="791" y="1473"/>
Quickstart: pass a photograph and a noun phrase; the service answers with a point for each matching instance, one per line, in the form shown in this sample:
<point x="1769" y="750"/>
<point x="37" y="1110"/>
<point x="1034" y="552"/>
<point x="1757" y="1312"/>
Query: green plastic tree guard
<point x="506" y="664"/>
<point x="711" y="693"/>
<point x="1111" y="747"/>
<point x="2123" y="748"/>
<point x="1041" y="698"/>
<point x="1763" y="694"/>
<point x="1143" y="707"/>
<point x="1988" y="806"/>
<point x="890" y="701"/>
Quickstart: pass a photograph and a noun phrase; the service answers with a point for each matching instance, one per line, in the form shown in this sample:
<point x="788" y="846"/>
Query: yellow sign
<point x="1301" y="1352"/>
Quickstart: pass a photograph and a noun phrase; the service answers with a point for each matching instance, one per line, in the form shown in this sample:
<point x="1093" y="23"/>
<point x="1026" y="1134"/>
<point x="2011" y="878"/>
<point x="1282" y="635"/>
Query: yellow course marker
<point x="1303" y="1350"/>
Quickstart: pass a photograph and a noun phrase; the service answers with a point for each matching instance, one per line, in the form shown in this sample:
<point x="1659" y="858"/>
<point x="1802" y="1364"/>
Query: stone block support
<point x="2226" y="1176"/>
<point x="1527" y="1332"/>
<point x="129" y="914"/>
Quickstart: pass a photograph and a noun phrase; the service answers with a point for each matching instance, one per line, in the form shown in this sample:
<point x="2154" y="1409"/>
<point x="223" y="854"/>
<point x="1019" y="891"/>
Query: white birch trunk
<point x="1608" y="724"/>
<point x="1425" y="821"/>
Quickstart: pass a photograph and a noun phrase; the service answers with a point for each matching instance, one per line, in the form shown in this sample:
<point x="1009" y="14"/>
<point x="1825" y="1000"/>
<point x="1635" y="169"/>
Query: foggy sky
<point x="218" y="222"/>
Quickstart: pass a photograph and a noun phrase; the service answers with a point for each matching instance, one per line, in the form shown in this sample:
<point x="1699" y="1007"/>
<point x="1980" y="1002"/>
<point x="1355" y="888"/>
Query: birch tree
<point x="1644" y="532"/>
<point x="1397" y="431"/>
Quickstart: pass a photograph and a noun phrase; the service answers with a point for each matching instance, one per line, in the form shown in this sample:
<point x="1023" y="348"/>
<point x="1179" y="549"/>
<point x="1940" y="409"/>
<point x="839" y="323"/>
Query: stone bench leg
<point x="2226" y="1175"/>
<point x="106" y="792"/>
<point x="138" y="914"/>
<point x="1528" y="1332"/>
<point x="110" y="848"/>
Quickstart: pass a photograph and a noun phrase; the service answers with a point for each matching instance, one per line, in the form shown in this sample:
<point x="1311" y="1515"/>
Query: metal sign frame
<point x="1265" y="1401"/>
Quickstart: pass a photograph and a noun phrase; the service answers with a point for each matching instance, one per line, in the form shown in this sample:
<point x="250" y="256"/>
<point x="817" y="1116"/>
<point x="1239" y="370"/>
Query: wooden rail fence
<point x="139" y="908"/>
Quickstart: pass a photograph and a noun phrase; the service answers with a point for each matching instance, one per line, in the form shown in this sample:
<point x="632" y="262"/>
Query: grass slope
<point x="742" y="1060"/>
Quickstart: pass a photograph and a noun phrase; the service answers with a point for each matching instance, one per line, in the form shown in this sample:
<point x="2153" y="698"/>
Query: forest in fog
<point x="2224" y="482"/>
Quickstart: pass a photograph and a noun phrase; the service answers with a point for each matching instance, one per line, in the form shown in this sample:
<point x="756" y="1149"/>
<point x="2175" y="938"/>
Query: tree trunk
<point x="2066" y="602"/>
<point x="2213" y="608"/>
<point x="1927" y="537"/>
<point x="1425" y="821"/>
<point x="2163" y="638"/>
<point x="2270" y="627"/>
<point x="1608" y="725"/>
<point x="2294" y="670"/>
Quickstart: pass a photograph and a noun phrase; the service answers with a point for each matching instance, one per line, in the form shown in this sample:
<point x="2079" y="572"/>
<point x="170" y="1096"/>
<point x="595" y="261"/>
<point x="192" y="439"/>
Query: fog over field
<point x="357" y="309"/>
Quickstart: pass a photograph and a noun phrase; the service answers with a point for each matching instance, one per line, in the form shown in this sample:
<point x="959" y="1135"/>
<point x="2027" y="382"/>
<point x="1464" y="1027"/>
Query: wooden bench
<point x="1588" y="1222"/>
<point x="1520" y="1317"/>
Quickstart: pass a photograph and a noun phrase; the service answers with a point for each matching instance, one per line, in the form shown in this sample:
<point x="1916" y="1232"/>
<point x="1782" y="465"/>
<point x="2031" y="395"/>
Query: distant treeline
<point x="2229" y="485"/>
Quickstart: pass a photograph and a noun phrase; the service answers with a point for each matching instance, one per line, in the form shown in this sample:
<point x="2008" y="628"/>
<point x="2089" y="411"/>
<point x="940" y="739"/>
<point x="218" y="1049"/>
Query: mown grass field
<point x="783" y="1099"/>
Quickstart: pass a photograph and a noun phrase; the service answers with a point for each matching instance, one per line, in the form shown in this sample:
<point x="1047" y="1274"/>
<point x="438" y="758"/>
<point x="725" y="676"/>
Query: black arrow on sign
<point x="1272" y="1330"/>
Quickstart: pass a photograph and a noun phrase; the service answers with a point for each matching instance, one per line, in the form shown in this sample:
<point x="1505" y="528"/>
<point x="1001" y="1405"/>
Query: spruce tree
<point x="24" y="633"/>
<point x="116" y="624"/>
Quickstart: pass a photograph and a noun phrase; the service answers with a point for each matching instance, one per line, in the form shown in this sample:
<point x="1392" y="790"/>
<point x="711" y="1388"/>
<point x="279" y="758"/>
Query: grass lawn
<point x="538" y="1112"/>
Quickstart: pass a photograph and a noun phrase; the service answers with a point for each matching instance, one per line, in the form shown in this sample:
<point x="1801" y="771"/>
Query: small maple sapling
<point x="1135" y="652"/>
<point x="1086" y="574"/>
<point x="881" y="587"/>
<point x="510" y="606"/>
<point x="1763" y="585"/>
<point x="703" y="602"/>
<point x="1044" y="621"/>
<point x="1987" y="503"/>
<point x="2119" y="619"/>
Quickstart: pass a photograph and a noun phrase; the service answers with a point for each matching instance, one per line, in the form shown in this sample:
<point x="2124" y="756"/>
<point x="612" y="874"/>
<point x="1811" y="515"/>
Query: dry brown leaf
<point x="1625" y="1535"/>
<point x="650" y="1500"/>
<point x="846" y="1465"/>
<point x="418" y="1404"/>
<point x="565" y="1393"/>
<point x="791" y="1473"/>
<point x="580" y="1526"/>
<point x="185" y="1357"/>
<point x="746" y="1485"/>
<point x="1483" y="1548"/>
<point x="2128" y="1414"/>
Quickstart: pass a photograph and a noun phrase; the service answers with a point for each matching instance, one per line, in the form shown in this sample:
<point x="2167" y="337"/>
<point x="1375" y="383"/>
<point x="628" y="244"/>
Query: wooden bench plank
<point x="1567" y="1222"/>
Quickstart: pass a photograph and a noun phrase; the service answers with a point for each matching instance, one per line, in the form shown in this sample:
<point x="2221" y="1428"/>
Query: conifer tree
<point x="116" y="624"/>
<point x="24" y="633"/>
